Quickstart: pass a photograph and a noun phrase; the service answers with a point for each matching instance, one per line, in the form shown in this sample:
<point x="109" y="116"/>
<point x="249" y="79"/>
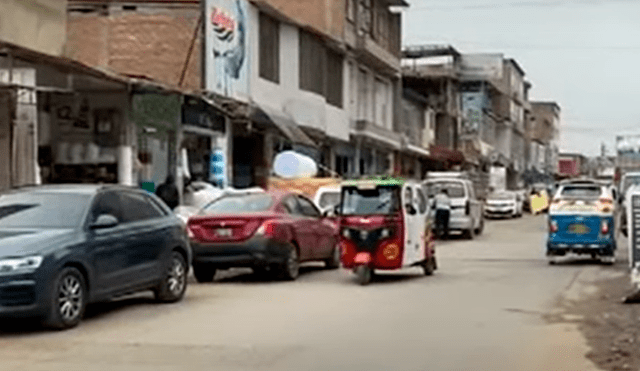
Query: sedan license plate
<point x="578" y="229"/>
<point x="224" y="232"/>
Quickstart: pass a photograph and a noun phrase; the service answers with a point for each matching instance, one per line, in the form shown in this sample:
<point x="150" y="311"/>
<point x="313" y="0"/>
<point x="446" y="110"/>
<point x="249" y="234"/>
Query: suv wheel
<point x="68" y="299"/>
<point x="174" y="282"/>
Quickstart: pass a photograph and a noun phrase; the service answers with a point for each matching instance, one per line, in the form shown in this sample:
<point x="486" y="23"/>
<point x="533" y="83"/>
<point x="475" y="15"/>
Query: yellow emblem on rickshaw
<point x="391" y="251"/>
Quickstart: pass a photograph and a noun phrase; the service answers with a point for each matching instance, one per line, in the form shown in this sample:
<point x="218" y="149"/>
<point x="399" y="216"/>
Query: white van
<point x="466" y="210"/>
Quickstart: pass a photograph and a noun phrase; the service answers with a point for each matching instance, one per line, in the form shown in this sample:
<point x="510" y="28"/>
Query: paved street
<point x="494" y="304"/>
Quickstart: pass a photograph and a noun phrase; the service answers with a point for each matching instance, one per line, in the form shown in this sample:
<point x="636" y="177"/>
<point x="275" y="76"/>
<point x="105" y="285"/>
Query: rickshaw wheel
<point x="364" y="274"/>
<point x="429" y="266"/>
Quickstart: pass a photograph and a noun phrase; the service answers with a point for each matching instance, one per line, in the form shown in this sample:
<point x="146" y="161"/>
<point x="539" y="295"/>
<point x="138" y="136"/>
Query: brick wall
<point x="148" y="41"/>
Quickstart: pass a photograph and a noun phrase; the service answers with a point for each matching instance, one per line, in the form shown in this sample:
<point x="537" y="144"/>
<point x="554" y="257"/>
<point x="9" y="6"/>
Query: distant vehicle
<point x="504" y="204"/>
<point x="327" y="198"/>
<point x="384" y="225"/>
<point x="62" y="247"/>
<point x="582" y="221"/>
<point x="270" y="232"/>
<point x="467" y="215"/>
<point x="628" y="180"/>
<point x="633" y="212"/>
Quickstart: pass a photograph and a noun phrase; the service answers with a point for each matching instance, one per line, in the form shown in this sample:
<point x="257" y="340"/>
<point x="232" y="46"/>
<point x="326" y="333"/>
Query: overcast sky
<point x="585" y="55"/>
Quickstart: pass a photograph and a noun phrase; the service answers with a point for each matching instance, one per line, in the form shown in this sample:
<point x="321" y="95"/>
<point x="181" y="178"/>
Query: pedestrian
<point x="443" y="212"/>
<point x="168" y="192"/>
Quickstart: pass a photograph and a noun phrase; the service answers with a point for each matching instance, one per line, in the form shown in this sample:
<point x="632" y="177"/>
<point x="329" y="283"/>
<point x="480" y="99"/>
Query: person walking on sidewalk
<point x="168" y="192"/>
<point x="443" y="212"/>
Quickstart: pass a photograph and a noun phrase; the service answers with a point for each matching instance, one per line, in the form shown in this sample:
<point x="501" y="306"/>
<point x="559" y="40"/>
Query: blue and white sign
<point x="218" y="168"/>
<point x="227" y="45"/>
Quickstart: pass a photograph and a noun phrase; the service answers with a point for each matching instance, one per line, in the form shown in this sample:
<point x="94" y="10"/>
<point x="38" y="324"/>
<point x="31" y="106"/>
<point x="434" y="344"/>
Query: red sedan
<point x="269" y="232"/>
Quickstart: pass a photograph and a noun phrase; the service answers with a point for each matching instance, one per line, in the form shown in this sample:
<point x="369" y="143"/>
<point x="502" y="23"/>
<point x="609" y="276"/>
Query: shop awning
<point x="442" y="153"/>
<point x="417" y="150"/>
<point x="266" y="116"/>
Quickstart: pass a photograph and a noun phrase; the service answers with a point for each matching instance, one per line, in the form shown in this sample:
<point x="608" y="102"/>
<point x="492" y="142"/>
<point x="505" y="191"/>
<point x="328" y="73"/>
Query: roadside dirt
<point x="611" y="327"/>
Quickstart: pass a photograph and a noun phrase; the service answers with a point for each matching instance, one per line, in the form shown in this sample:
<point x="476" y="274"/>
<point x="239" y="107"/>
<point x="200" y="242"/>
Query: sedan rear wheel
<point x="291" y="267"/>
<point x="174" y="283"/>
<point x="334" y="261"/>
<point x="68" y="299"/>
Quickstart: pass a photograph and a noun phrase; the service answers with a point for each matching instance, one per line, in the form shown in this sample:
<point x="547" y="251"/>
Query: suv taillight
<point x="605" y="227"/>
<point x="553" y="226"/>
<point x="467" y="208"/>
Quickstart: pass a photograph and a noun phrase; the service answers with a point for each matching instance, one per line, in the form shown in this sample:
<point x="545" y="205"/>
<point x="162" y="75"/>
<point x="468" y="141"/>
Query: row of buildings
<point x="130" y="91"/>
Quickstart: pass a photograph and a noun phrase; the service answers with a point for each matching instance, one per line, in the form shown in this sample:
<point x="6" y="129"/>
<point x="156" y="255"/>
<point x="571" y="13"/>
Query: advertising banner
<point x="227" y="48"/>
<point x="472" y="105"/>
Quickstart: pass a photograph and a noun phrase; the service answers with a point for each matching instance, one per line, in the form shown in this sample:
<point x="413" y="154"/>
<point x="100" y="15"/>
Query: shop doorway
<point x="199" y="149"/>
<point x="5" y="139"/>
<point x="248" y="162"/>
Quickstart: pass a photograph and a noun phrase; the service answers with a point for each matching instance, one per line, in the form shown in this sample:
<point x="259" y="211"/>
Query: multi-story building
<point x="545" y="133"/>
<point x="39" y="25"/>
<point x="366" y="38"/>
<point x="162" y="41"/>
<point x="62" y="120"/>
<point x="434" y="72"/>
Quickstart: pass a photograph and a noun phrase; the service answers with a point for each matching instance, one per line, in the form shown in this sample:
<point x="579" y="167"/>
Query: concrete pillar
<point x="125" y="165"/>
<point x="356" y="170"/>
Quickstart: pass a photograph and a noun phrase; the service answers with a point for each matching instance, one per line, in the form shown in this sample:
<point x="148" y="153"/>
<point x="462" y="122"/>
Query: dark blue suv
<point x="64" y="246"/>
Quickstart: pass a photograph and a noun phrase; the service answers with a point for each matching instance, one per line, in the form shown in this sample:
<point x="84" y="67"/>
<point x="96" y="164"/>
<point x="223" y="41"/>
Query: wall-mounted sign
<point x="227" y="48"/>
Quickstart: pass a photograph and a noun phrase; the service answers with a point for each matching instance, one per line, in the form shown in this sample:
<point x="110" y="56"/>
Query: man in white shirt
<point x="443" y="212"/>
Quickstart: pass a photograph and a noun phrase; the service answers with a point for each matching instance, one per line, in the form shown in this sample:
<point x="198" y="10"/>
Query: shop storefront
<point x="204" y="134"/>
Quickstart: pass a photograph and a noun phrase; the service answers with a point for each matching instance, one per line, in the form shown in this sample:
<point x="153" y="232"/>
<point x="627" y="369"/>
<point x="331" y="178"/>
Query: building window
<point x="365" y="18"/>
<point x="351" y="10"/>
<point x="334" y="78"/>
<point x="363" y="94"/>
<point x="313" y="57"/>
<point x="353" y="90"/>
<point x="382" y="102"/>
<point x="269" y="48"/>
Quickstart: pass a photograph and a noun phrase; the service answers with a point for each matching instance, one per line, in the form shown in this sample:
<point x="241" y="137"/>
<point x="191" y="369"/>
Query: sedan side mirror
<point x="105" y="221"/>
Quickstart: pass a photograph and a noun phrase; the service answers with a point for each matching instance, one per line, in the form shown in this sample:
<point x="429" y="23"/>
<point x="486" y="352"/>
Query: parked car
<point x="62" y="247"/>
<point x="270" y="232"/>
<point x="466" y="210"/>
<point x="503" y="204"/>
<point x="581" y="221"/>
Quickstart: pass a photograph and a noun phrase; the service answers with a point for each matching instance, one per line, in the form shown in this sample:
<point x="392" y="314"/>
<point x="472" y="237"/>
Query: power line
<point x="519" y="4"/>
<point x="565" y="47"/>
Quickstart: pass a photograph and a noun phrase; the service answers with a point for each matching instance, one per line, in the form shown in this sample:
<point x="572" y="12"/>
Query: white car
<point x="504" y="204"/>
<point x="327" y="198"/>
